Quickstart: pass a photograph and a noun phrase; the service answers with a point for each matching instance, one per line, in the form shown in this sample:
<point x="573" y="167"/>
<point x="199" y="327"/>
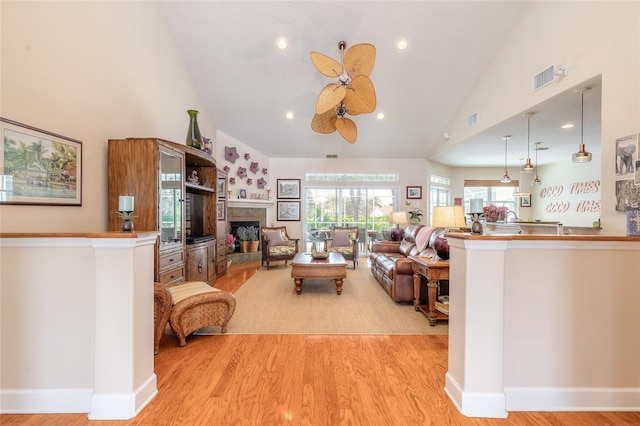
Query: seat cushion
<point x="340" y="239"/>
<point x="282" y="250"/>
<point x="344" y="250"/>
<point x="188" y="289"/>
<point x="274" y="238"/>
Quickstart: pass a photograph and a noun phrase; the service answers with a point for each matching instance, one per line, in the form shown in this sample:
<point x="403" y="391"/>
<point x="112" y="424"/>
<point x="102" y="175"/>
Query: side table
<point x="433" y="271"/>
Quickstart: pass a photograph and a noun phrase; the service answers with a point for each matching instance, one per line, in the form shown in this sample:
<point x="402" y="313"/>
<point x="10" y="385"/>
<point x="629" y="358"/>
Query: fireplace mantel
<point x="249" y="203"/>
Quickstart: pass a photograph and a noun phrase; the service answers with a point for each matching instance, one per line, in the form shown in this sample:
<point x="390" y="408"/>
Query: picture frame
<point x="525" y="201"/>
<point x="222" y="187"/>
<point x="414" y="192"/>
<point x="220" y="210"/>
<point x="288" y="211"/>
<point x="242" y="193"/>
<point x="288" y="188"/>
<point x="42" y="181"/>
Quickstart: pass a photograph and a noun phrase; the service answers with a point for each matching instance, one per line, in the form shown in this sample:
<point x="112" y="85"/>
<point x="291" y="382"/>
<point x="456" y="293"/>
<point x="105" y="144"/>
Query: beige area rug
<point x="267" y="304"/>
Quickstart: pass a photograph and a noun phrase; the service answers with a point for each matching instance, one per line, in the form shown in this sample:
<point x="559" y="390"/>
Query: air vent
<point x="332" y="155"/>
<point x="545" y="77"/>
<point x="472" y="120"/>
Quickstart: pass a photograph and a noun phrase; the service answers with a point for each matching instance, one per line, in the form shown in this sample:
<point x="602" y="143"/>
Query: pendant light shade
<point x="505" y="178"/>
<point x="582" y="156"/>
<point x="528" y="167"/>
<point x="536" y="180"/>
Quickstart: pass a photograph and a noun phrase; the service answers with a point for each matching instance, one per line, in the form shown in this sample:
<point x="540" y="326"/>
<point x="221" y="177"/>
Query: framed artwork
<point x="220" y="210"/>
<point x="525" y="201"/>
<point x="242" y="193"/>
<point x="414" y="192"/>
<point x="39" y="167"/>
<point x="288" y="188"/>
<point x="222" y="187"/>
<point x="288" y="210"/>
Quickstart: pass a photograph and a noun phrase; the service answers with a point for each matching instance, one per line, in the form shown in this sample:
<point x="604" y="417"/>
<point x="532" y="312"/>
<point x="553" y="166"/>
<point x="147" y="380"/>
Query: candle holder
<point x="127" y="225"/>
<point x="268" y="193"/>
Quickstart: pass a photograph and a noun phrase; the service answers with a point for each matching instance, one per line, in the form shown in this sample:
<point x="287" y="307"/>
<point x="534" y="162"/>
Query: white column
<point x="124" y="378"/>
<point x="474" y="380"/>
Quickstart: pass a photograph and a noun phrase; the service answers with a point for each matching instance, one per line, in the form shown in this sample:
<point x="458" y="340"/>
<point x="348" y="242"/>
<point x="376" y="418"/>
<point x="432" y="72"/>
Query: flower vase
<point x="231" y="248"/>
<point x="194" y="138"/>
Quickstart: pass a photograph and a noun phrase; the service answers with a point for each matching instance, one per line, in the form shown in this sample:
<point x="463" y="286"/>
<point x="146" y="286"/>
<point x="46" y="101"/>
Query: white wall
<point x="91" y="71"/>
<point x="588" y="38"/>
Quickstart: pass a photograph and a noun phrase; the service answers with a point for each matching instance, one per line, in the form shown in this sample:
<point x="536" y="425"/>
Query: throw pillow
<point x="340" y="239"/>
<point x="274" y="238"/>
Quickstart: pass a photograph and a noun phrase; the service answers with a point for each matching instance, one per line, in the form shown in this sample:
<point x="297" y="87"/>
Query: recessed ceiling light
<point x="380" y="116"/>
<point x="282" y="43"/>
<point x="289" y="115"/>
<point x="567" y="126"/>
<point x="402" y="44"/>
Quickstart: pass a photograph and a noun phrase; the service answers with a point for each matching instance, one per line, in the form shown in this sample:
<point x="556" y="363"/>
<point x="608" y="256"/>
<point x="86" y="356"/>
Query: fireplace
<point x="235" y="224"/>
<point x="246" y="216"/>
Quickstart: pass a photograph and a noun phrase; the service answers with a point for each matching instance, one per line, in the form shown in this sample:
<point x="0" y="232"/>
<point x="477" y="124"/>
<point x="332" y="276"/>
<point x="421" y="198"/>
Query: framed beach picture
<point x="525" y="201"/>
<point x="220" y="210"/>
<point x="39" y="167"/>
<point x="288" y="210"/>
<point x="414" y="192"/>
<point x="288" y="188"/>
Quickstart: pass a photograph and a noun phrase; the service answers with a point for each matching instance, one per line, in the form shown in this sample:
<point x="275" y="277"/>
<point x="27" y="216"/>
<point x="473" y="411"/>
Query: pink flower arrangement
<point x="230" y="240"/>
<point x="493" y="213"/>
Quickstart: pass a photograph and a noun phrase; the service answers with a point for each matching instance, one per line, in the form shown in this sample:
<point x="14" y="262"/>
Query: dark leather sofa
<point x="390" y="265"/>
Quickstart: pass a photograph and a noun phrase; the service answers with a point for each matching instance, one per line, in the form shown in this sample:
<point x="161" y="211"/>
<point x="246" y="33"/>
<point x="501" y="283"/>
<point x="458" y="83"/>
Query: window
<point x="367" y="208"/>
<point x="500" y="194"/>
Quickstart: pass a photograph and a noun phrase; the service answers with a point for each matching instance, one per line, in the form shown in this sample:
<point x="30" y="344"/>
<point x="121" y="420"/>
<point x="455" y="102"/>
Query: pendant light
<point x="582" y="156"/>
<point x="505" y="178"/>
<point x="536" y="180"/>
<point x="528" y="167"/>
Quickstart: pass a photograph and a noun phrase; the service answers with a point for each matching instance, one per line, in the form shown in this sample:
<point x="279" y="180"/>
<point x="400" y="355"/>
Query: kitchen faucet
<point x="515" y="216"/>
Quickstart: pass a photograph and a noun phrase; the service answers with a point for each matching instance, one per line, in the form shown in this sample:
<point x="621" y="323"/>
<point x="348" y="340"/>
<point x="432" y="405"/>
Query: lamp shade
<point x="448" y="217"/>
<point x="475" y="205"/>
<point x="398" y="218"/>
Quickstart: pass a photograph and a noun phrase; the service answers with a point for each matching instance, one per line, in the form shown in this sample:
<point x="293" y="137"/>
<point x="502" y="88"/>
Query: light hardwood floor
<point x="307" y="380"/>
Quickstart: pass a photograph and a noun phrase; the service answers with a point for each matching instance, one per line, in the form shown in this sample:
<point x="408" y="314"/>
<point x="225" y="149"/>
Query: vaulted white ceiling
<point x="248" y="84"/>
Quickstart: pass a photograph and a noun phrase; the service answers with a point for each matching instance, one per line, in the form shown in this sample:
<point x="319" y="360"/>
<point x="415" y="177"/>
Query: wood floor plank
<point x="308" y="380"/>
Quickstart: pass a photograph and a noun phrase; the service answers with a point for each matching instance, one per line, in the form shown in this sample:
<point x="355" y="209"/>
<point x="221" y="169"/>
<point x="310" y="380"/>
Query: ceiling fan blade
<point x="347" y="129"/>
<point x="326" y="65"/>
<point x="359" y="59"/>
<point x="324" y="123"/>
<point x="330" y="96"/>
<point x="361" y="96"/>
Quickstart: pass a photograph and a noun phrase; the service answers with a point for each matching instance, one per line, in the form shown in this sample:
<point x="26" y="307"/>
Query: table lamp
<point x="446" y="217"/>
<point x="398" y="218"/>
<point x="475" y="211"/>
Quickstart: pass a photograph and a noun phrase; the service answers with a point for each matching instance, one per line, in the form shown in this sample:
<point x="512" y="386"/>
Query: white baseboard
<point x="42" y="401"/>
<point x="572" y="399"/>
<point x="476" y="404"/>
<point x="123" y="406"/>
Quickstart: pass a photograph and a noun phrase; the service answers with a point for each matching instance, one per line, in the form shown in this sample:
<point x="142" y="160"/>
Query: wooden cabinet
<point x="173" y="186"/>
<point x="201" y="262"/>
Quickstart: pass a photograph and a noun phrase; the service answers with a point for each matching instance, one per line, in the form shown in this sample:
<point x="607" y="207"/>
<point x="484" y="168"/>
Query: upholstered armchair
<point x="276" y="245"/>
<point x="344" y="240"/>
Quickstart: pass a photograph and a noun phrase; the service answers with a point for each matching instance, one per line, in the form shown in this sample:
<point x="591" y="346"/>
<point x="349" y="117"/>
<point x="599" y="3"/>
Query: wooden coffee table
<point x="304" y="266"/>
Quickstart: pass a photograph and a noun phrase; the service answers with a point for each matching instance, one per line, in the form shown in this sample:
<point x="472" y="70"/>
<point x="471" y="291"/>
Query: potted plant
<point x="415" y="214"/>
<point x="231" y="243"/>
<point x="248" y="236"/>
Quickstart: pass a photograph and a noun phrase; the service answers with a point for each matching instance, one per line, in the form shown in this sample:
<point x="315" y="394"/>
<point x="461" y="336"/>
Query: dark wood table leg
<point x="339" y="286"/>
<point x="298" y="284"/>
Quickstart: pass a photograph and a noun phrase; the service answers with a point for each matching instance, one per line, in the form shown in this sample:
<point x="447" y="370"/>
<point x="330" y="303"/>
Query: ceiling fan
<point x="353" y="94"/>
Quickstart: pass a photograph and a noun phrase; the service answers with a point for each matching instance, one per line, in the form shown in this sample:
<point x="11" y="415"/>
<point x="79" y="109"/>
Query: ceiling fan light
<point x="582" y="156"/>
